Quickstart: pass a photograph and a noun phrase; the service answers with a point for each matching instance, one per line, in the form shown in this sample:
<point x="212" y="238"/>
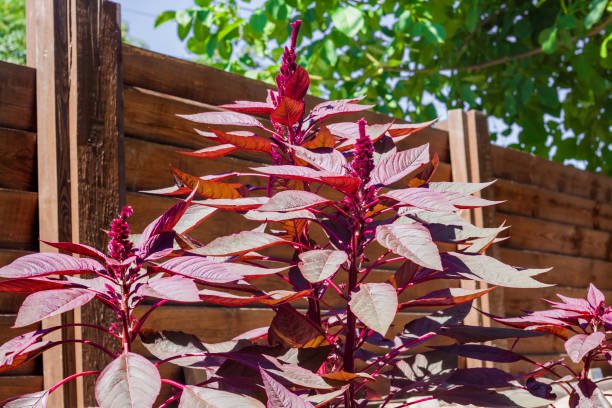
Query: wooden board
<point x="547" y="236"/>
<point x="532" y="201"/>
<point x="18" y="214"/>
<point x="524" y="168"/>
<point x="570" y="271"/>
<point x="519" y="300"/>
<point x="18" y="164"/>
<point x="11" y="386"/>
<point x="17" y="96"/>
<point x="200" y="83"/>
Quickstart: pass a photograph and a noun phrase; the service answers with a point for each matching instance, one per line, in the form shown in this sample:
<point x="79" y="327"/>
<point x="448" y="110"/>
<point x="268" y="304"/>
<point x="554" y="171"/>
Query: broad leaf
<point x="278" y="216"/>
<point x="288" y="111"/>
<point x="490" y="270"/>
<point x="432" y="323"/>
<point x="166" y="221"/>
<point x="580" y="345"/>
<point x="293" y="200"/>
<point x="343" y="183"/>
<point x="477" y="334"/>
<point x="291" y="328"/>
<point x="31" y="285"/>
<point x="236" y="204"/>
<point x="40" y="305"/>
<point x="399" y="131"/>
<point x="476" y="396"/>
<point x="18" y="350"/>
<point x="484" y="377"/>
<point x="595" y="297"/>
<point x="33" y="400"/>
<point x="80" y="249"/>
<point x="204" y="187"/>
<point x="130" y="380"/>
<point x="324" y="159"/>
<point x="250" y="107"/>
<point x="224" y="119"/>
<point x="320" y="264"/>
<point x="200" y="268"/>
<point x="459" y="187"/>
<point x="167" y="344"/>
<point x="412" y="241"/>
<point x="212" y="152"/>
<point x="394" y="167"/>
<point x="240" y="243"/>
<point x="198" y="397"/>
<point x="588" y="395"/>
<point x="279" y="396"/>
<point x="331" y="108"/>
<point x="174" y="288"/>
<point x="297" y="85"/>
<point x="43" y="264"/>
<point x="375" y="304"/>
<point x="446" y="297"/>
<point x="422" y="198"/>
<point x="245" y="141"/>
<point x="272" y="299"/>
<point x="192" y="218"/>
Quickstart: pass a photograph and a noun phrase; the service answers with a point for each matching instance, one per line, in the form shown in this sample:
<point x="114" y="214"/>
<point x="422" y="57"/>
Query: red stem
<point x="70" y="378"/>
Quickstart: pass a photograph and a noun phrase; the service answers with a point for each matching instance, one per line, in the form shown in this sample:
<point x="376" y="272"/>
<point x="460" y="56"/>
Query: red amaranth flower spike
<point x="120" y="246"/>
<point x="363" y="162"/>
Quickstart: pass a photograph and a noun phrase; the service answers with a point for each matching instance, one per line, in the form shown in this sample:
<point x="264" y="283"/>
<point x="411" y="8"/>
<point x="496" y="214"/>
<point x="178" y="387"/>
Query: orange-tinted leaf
<point x="345" y="376"/>
<point x="212" y="152"/>
<point x="401" y="130"/>
<point x="291" y="328"/>
<point x="246" y="142"/>
<point x="208" y="189"/>
<point x="288" y="111"/>
<point x="323" y="138"/>
<point x="446" y="297"/>
<point x="298" y="84"/>
<point x="426" y="174"/>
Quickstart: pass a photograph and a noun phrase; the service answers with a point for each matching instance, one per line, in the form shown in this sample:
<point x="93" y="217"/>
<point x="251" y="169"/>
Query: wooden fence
<point x="91" y="123"/>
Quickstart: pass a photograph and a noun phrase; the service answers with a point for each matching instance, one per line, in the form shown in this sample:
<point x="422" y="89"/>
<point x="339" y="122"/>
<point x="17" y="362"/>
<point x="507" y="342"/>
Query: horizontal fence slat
<point x="567" y="270"/>
<point x="18" y="164"/>
<point x="18" y="214"/>
<point x="524" y="168"/>
<point x="531" y="201"/>
<point x="11" y="386"/>
<point x="17" y="96"/>
<point x="547" y="236"/>
<point x="519" y="300"/>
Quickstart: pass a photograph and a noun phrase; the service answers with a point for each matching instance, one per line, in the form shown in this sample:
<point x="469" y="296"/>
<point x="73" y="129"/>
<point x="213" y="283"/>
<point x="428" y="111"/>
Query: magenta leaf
<point x="174" y="288"/>
<point x="375" y="304"/>
<point x="342" y="183"/>
<point x="580" y="345"/>
<point x="192" y="218"/>
<point x="331" y="108"/>
<point x="323" y="159"/>
<point x="250" y="107"/>
<point x="224" y="119"/>
<point x="42" y="264"/>
<point x="349" y="132"/>
<point x="240" y="243"/>
<point x="422" y="198"/>
<point x="31" y="285"/>
<point x="165" y="222"/>
<point x="297" y="85"/>
<point x="279" y="396"/>
<point x="41" y="305"/>
<point x="33" y="400"/>
<point x="394" y="167"/>
<point x="412" y="241"/>
<point x="79" y="249"/>
<point x="199" y="268"/>
<point x="320" y="264"/>
<point x="128" y="381"/>
<point x="18" y="345"/>
<point x="235" y="204"/>
<point x="199" y="397"/>
<point x="293" y="200"/>
<point x="595" y="297"/>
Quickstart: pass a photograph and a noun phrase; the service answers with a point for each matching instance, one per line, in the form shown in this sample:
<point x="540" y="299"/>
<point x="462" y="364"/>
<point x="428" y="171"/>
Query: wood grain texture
<point x="18" y="212"/>
<point x="546" y="236"/>
<point x="531" y="201"/>
<point x="20" y="384"/>
<point x="524" y="168"/>
<point x="18" y="164"/>
<point x="96" y="141"/>
<point x="17" y="96"/>
<point x="570" y="271"/>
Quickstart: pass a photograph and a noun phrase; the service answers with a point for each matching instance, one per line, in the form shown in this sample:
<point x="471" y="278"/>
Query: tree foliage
<point x="12" y="31"/>
<point x="541" y="65"/>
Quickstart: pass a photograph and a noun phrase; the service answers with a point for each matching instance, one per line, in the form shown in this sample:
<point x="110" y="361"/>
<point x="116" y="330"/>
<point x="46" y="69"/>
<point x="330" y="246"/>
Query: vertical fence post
<point x="75" y="46"/>
<point x="470" y="151"/>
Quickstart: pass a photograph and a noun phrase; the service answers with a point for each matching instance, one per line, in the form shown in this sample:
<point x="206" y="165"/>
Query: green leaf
<point x="348" y="20"/>
<point x="435" y="32"/>
<point x="596" y="9"/>
<point x="548" y="40"/>
<point x="257" y="22"/>
<point x="471" y="18"/>
<point x="164" y="17"/>
<point x="183" y="17"/>
<point x="328" y="52"/>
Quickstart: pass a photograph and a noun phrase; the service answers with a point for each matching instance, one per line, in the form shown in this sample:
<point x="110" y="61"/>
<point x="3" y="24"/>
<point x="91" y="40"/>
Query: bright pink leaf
<point x="293" y="200"/>
<point x="331" y="108"/>
<point x="200" y="268"/>
<point x="580" y="345"/>
<point x="224" y="119"/>
<point x="250" y="107"/>
<point x="412" y="241"/>
<point x="240" y="243"/>
<point x="235" y="204"/>
<point x="279" y="396"/>
<point x="174" y="288"/>
<point x="36" y="265"/>
<point x="41" y="305"/>
<point x="394" y="167"/>
<point x="422" y="198"/>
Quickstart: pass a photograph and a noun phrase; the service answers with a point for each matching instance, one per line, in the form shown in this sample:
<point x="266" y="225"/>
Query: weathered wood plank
<point x="522" y="167"/>
<point x="547" y="236"/>
<point x="17" y="96"/>
<point x="212" y="86"/>
<point x="18" y="214"/>
<point x="531" y="201"/>
<point x="11" y="386"/>
<point x="18" y="164"/>
<point x="567" y="270"/>
<point x="519" y="300"/>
